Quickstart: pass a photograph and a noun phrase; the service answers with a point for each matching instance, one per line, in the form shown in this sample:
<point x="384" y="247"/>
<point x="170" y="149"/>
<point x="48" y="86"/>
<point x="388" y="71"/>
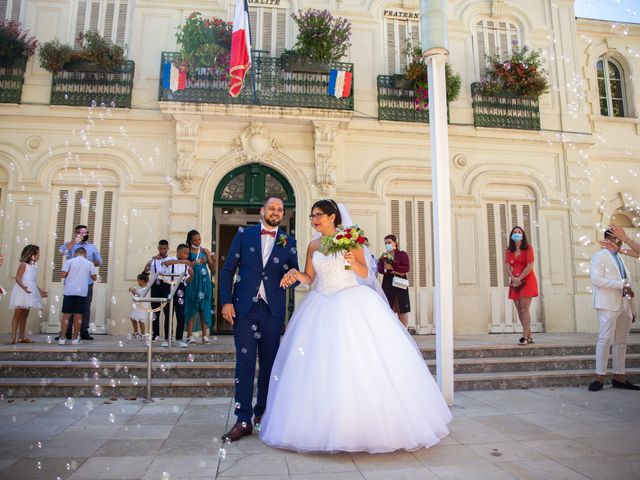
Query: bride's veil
<point x="372" y="264"/>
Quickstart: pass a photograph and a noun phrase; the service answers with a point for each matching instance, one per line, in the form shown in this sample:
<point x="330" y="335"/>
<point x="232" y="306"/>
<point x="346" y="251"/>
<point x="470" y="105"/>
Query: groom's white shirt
<point x="266" y="242"/>
<point x="607" y="281"/>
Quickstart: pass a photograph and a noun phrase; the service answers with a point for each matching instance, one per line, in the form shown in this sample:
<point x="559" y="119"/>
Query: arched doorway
<point x="236" y="203"/>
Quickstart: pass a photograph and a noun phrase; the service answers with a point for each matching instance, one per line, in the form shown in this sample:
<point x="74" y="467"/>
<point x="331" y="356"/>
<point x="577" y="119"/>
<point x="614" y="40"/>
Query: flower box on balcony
<point x="504" y="110"/>
<point x="11" y="80"/>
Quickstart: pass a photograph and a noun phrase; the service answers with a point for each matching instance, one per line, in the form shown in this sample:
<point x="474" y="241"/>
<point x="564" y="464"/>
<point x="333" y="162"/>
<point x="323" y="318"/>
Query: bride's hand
<point x="349" y="257"/>
<point x="289" y="278"/>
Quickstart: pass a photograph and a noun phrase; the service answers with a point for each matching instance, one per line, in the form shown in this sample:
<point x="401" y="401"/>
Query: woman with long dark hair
<point x="523" y="285"/>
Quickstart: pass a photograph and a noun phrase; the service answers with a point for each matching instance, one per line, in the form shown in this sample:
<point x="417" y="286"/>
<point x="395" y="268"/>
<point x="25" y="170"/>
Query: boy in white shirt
<point x="179" y="265"/>
<point x="76" y="273"/>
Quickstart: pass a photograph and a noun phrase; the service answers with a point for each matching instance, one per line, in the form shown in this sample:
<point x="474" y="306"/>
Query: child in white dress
<point x="25" y="294"/>
<point x="138" y="315"/>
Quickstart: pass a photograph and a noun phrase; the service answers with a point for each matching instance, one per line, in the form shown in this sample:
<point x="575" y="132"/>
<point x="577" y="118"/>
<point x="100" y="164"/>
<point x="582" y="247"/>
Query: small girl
<point x="25" y="294"/>
<point x="138" y="314"/>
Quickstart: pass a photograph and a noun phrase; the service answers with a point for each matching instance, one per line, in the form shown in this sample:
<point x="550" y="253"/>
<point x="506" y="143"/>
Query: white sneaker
<point x="165" y="344"/>
<point x="205" y="339"/>
<point x="75" y="341"/>
<point x="191" y="341"/>
<point x="182" y="344"/>
<point x="62" y="341"/>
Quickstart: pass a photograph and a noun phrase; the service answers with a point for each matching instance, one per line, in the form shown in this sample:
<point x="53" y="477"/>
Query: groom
<point x="256" y="308"/>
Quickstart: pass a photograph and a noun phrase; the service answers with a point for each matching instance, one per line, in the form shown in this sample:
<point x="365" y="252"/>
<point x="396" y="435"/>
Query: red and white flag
<point x="240" y="61"/>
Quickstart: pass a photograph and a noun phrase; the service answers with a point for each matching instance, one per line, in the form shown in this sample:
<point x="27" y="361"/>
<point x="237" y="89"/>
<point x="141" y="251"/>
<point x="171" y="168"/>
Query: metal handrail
<point x="150" y="311"/>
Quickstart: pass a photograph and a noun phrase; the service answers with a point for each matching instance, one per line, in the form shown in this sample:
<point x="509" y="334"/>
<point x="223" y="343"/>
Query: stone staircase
<point x="119" y="369"/>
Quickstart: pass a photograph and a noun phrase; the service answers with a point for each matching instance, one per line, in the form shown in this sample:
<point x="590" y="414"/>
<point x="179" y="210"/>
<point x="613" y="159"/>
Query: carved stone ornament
<point x="496" y="7"/>
<point x="325" y="139"/>
<point x="255" y="144"/>
<point x="459" y="160"/>
<point x="187" y="130"/>
<point x="184" y="170"/>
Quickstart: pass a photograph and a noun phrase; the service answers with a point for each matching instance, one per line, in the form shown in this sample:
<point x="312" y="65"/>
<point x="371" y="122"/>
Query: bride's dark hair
<point x="330" y="208"/>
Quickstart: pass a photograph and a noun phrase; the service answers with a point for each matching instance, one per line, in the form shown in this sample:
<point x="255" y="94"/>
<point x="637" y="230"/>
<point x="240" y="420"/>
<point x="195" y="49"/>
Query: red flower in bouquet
<point x="344" y="240"/>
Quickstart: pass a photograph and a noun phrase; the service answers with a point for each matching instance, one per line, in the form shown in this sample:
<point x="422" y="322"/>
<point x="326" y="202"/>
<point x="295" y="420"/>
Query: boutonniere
<point x="282" y="240"/>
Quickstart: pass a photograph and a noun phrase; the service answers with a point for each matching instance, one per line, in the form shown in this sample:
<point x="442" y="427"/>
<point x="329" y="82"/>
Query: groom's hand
<point x="228" y="313"/>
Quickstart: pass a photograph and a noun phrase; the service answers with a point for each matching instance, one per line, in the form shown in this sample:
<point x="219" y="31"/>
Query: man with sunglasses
<point x="253" y="302"/>
<point x="81" y="239"/>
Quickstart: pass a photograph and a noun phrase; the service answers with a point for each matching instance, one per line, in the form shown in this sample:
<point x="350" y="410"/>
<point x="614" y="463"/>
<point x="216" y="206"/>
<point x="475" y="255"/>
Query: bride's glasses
<point x="316" y="216"/>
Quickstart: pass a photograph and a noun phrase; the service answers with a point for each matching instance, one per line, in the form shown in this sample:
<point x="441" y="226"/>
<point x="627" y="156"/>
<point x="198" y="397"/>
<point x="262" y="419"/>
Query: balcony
<point x="398" y="104"/>
<point x="11" y="80"/>
<point x="521" y="113"/>
<point x="90" y="88"/>
<point x="266" y="84"/>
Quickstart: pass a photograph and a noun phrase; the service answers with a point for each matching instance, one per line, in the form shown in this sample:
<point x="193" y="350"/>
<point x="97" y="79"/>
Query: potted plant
<point x="16" y="44"/>
<point x="96" y="55"/>
<point x="322" y="39"/>
<point x="204" y="43"/>
<point x="415" y="77"/>
<point x="520" y="75"/>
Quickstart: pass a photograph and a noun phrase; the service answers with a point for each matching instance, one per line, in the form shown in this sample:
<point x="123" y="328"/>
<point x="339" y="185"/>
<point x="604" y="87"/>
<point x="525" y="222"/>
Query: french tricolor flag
<point x="173" y="78"/>
<point x="340" y="83"/>
<point x="240" y="61"/>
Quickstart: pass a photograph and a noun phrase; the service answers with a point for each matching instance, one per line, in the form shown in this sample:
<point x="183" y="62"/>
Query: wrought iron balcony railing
<point x="88" y="88"/>
<point x="398" y="103"/>
<point x="505" y="111"/>
<point x="274" y="86"/>
<point x="11" y="80"/>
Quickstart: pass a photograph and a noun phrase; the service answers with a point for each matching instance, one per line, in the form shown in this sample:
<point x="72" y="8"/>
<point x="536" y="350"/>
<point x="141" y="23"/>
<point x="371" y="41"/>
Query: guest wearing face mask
<point x="394" y="263"/>
<point x="523" y="286"/>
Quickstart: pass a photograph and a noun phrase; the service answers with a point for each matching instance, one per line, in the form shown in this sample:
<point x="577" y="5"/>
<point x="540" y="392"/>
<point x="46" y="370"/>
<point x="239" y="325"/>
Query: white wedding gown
<point x="348" y="376"/>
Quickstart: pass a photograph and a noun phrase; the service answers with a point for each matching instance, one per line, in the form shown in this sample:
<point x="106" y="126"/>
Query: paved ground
<point x="562" y="433"/>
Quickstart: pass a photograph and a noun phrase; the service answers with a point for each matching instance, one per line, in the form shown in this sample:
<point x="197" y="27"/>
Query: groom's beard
<point x="271" y="222"/>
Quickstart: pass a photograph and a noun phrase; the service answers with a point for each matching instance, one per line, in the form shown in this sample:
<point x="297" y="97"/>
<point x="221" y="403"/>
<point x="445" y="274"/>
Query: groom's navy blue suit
<point x="258" y="323"/>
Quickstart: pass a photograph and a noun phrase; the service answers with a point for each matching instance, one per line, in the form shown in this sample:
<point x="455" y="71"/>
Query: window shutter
<point x="91" y="221"/>
<point x="121" y="30"/>
<point x="408" y="211"/>
<point x="267" y="29"/>
<point x="63" y="198"/>
<point x="433" y="247"/>
<point x="391" y="48"/>
<point x="422" y="245"/>
<point x="15" y="10"/>
<point x="503" y="240"/>
<point x="94" y="16"/>
<point x="402" y="40"/>
<point x="105" y="236"/>
<point x="493" y="261"/>
<point x="80" y="20"/>
<point x="253" y="25"/>
<point x="514" y="215"/>
<point x="108" y="21"/>
<point x="77" y="208"/>
<point x="526" y="220"/>
<point x="395" y="218"/>
<point x="4" y="7"/>
<point x="281" y="31"/>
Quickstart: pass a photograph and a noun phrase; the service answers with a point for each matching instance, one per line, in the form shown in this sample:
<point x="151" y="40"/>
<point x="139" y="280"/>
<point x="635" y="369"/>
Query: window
<point x="397" y="32"/>
<point x="611" y="88"/>
<point x="269" y="27"/>
<point x="10" y="10"/>
<point x="494" y="37"/>
<point x="107" y="17"/>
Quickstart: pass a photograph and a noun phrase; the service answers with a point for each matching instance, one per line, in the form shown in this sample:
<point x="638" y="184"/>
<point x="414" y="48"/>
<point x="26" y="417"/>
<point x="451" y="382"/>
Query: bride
<point x="348" y="376"/>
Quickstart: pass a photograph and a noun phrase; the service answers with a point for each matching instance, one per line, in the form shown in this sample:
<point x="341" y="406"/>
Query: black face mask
<point x="85" y="238"/>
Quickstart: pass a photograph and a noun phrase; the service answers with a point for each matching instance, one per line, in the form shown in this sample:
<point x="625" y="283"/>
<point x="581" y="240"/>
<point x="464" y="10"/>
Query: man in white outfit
<point x="612" y="296"/>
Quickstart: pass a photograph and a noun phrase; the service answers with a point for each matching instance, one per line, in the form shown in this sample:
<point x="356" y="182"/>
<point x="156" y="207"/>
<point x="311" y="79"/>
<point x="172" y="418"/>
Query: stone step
<point x="221" y="353"/>
<point x="218" y="387"/>
<point x="211" y="369"/>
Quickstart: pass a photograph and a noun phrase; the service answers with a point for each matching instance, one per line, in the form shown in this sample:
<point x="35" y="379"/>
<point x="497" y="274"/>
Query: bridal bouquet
<point x="345" y="239"/>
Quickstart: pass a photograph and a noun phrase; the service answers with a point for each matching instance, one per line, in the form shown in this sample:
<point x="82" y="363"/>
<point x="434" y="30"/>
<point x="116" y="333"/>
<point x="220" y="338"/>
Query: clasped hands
<point x="627" y="292"/>
<point x="289" y="278"/>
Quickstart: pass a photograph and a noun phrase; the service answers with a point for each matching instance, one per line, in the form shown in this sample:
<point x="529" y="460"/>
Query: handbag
<point x="400" y="282"/>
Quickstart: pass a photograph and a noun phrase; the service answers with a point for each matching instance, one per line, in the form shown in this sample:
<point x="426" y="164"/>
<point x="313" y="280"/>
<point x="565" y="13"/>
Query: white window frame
<point x="257" y="36"/>
<point x="605" y="59"/>
<point x="400" y="59"/>
<point x="494" y="31"/>
<point x="102" y="14"/>
<point x="11" y="6"/>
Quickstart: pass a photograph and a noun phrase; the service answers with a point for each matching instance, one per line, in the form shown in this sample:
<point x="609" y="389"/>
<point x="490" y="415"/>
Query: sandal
<point x="523" y="341"/>
<point x="26" y="340"/>
<point x="530" y="340"/>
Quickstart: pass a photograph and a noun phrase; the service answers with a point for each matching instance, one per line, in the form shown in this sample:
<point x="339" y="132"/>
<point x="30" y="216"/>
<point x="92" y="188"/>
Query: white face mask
<point x="389" y="247"/>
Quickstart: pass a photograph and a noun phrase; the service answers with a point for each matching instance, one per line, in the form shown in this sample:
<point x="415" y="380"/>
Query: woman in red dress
<point x="523" y="286"/>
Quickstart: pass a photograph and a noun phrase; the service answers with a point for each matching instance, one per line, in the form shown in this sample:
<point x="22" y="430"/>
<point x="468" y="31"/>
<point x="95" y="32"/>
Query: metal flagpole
<point x="433" y="18"/>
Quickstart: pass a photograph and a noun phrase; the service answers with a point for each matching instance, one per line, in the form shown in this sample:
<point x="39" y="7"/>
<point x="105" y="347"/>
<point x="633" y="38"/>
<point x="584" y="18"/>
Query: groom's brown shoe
<point x="238" y="431"/>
